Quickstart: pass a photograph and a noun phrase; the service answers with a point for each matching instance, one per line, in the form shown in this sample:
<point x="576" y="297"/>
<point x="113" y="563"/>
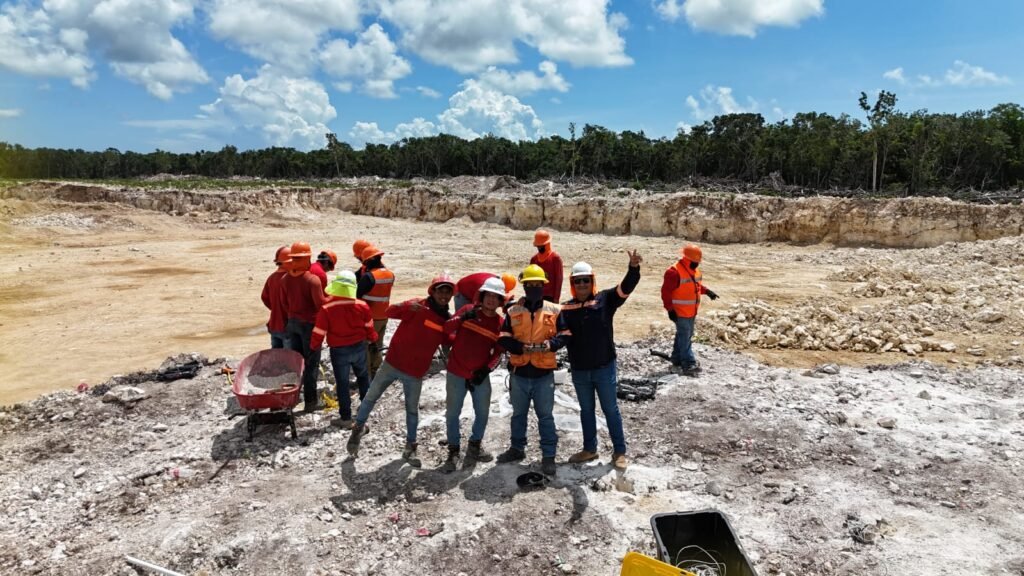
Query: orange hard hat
<point x="371" y="252"/>
<point x="283" y="254"/>
<point x="691" y="252"/>
<point x="510" y="282"/>
<point x="441" y="280"/>
<point x="541" y="237"/>
<point x="330" y="255"/>
<point x="358" y="246"/>
<point x="301" y="250"/>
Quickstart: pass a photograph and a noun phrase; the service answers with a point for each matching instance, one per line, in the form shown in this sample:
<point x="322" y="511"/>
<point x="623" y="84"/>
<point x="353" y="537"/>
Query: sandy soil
<point x="111" y="289"/>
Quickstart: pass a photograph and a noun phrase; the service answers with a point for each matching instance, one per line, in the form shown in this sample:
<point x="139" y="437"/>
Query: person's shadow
<point x="394" y="479"/>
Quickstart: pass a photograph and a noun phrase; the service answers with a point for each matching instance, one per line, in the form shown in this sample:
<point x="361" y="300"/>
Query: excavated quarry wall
<point x="716" y="218"/>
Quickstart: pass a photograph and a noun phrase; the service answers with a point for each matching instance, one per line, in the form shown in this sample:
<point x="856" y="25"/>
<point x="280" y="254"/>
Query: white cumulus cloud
<point x="285" y="33"/>
<point x="10" y="112"/>
<point x="718" y="100"/>
<point x="739" y="17"/>
<point x="470" y="35"/>
<point x="32" y="44"/>
<point x="960" y="74"/>
<point x="373" y="59"/>
<point x="363" y="133"/>
<point x="895" y="74"/>
<point x="428" y="92"/>
<point x="289" y="111"/>
<point x="525" y="82"/>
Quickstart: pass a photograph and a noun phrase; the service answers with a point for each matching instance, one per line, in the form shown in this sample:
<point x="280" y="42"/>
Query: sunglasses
<point x="581" y="281"/>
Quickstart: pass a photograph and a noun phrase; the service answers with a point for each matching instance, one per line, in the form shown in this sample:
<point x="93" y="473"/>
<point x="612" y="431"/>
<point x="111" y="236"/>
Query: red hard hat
<point x="370" y="252"/>
<point x="441" y="280"/>
<point x="301" y="250"/>
<point x="358" y="246"/>
<point x="691" y="252"/>
<point x="541" y="237"/>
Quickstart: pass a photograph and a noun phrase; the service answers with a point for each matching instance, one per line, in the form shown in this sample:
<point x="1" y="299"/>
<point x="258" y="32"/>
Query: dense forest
<point x="890" y="151"/>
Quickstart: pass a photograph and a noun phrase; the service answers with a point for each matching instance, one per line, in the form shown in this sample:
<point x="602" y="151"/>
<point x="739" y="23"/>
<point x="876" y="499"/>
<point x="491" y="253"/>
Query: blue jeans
<point x="456" y="396"/>
<point x="279" y="340"/>
<point x="343" y="359"/>
<point x="541" y="391"/>
<point x="604" y="381"/>
<point x="386" y="376"/>
<point x="682" y="350"/>
<point x="299" y="335"/>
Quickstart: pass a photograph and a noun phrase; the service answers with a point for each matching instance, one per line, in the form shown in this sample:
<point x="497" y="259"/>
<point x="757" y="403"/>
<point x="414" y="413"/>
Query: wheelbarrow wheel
<point x="250" y="427"/>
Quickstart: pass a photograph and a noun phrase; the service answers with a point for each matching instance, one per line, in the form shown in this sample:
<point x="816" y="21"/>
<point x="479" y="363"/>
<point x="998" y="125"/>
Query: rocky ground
<point x="906" y="469"/>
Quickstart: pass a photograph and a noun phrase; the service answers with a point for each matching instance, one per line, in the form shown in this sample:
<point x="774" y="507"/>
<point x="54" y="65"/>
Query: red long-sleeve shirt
<point x="469" y="286"/>
<point x="419" y="333"/>
<point x="303" y="296"/>
<point x="343" y="322"/>
<point x="552" y="266"/>
<point x="317" y="270"/>
<point x="669" y="285"/>
<point x="474" y="343"/>
<point x="273" y="300"/>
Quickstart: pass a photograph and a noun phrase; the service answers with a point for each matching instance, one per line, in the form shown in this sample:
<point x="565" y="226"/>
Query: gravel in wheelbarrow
<point x="266" y="386"/>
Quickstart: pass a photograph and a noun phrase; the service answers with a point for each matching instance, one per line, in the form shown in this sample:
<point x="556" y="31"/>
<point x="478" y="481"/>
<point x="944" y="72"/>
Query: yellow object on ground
<point x="328" y="402"/>
<point x="635" y="564"/>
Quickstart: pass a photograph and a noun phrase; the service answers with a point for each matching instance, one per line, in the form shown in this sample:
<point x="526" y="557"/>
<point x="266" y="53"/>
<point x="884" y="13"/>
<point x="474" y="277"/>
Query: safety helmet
<point x="541" y="237"/>
<point x="509" y="281"/>
<point x="533" y="273"/>
<point x="371" y="252"/>
<point x="328" y="255"/>
<point x="358" y="246"/>
<point x="494" y="286"/>
<point x="343" y="285"/>
<point x="301" y="250"/>
<point x="691" y="252"/>
<point x="441" y="280"/>
<point x="283" y="254"/>
<point x="581" y="269"/>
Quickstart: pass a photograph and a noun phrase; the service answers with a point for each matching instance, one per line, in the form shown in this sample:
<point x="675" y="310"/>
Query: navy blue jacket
<point x="592" y="343"/>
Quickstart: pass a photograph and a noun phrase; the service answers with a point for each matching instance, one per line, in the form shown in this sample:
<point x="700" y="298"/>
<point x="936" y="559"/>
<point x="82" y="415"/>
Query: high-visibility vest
<point x="686" y="296"/>
<point x="535" y="328"/>
<point x="379" y="297"/>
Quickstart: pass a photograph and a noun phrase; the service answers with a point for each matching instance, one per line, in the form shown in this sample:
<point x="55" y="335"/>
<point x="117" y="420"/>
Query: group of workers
<point x="350" y="313"/>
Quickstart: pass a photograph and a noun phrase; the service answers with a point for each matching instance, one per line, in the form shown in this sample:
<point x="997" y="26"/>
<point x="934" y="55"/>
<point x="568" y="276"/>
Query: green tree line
<point x="891" y="151"/>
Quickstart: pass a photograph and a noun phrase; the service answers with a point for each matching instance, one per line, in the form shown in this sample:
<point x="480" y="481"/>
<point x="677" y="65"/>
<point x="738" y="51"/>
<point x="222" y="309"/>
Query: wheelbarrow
<point x="267" y="386"/>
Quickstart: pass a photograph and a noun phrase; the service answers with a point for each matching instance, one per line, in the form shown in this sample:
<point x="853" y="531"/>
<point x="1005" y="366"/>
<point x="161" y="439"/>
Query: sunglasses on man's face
<point x="581" y="281"/>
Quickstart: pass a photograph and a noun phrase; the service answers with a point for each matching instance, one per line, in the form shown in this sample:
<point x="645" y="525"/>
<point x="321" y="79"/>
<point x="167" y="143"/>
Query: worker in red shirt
<point x="474" y="333"/>
<point x="551" y="263"/>
<point x="303" y="295"/>
<point x="325" y="262"/>
<point x="420" y="331"/>
<point x="346" y="324"/>
<point x="272" y="299"/>
<point x="467" y="288"/>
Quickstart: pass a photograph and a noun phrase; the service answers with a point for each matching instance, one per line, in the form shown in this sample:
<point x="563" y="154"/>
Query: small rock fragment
<point x="888" y="423"/>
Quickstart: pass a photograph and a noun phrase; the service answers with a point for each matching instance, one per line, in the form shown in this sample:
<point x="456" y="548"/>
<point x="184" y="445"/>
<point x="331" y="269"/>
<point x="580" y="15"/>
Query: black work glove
<point x="372" y="348"/>
<point x="711" y="294"/>
<point x="672" y="315"/>
<point x="480" y="376"/>
<point x="469" y="314"/>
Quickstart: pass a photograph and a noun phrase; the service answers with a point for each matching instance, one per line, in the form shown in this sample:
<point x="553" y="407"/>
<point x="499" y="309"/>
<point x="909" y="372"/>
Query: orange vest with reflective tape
<point x="535" y="328"/>
<point x="686" y="296"/>
<point x="379" y="297"/>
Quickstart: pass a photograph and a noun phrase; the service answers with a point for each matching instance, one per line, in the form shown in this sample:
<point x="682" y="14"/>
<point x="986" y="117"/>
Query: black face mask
<point x="541" y="249"/>
<point x="534" y="293"/>
<point x="693" y="265"/>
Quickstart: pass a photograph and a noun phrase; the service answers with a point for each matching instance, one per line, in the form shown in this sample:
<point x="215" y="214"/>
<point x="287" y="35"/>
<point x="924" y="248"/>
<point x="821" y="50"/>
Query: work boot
<point x="409" y="455"/>
<point x="353" y="439"/>
<point x="511" y="455"/>
<point x="619" y="461"/>
<point x="691" y="369"/>
<point x="452" y="463"/>
<point x="477" y="453"/>
<point x="582" y="456"/>
<point x="547" y="465"/>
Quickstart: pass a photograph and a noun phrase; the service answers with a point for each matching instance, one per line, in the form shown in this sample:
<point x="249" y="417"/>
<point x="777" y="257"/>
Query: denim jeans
<point x="456" y="396"/>
<point x="682" y="349"/>
<point x="604" y="382"/>
<point x="541" y="391"/>
<point x="343" y="359"/>
<point x="411" y="387"/>
<point x="279" y="340"/>
<point x="299" y="335"/>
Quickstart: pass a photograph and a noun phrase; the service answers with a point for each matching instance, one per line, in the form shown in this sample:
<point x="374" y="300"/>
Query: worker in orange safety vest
<point x="375" y="287"/>
<point x="681" y="290"/>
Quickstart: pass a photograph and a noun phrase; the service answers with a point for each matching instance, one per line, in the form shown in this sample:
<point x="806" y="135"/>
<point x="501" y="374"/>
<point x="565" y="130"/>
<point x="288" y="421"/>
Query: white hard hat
<point x="494" y="286"/>
<point x="581" y="269"/>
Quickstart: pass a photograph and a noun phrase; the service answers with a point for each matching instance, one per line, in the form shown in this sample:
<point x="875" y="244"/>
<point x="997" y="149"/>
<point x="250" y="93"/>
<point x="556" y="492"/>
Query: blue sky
<point x="184" y="75"/>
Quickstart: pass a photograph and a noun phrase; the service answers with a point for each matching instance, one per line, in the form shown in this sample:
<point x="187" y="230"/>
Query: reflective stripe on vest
<point x="480" y="330"/>
<point x="686" y="296"/>
<point x="379" y="297"/>
<point x="536" y="328"/>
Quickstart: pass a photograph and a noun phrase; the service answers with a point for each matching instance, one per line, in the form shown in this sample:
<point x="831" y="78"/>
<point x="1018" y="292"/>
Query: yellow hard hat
<point x="533" y="273"/>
